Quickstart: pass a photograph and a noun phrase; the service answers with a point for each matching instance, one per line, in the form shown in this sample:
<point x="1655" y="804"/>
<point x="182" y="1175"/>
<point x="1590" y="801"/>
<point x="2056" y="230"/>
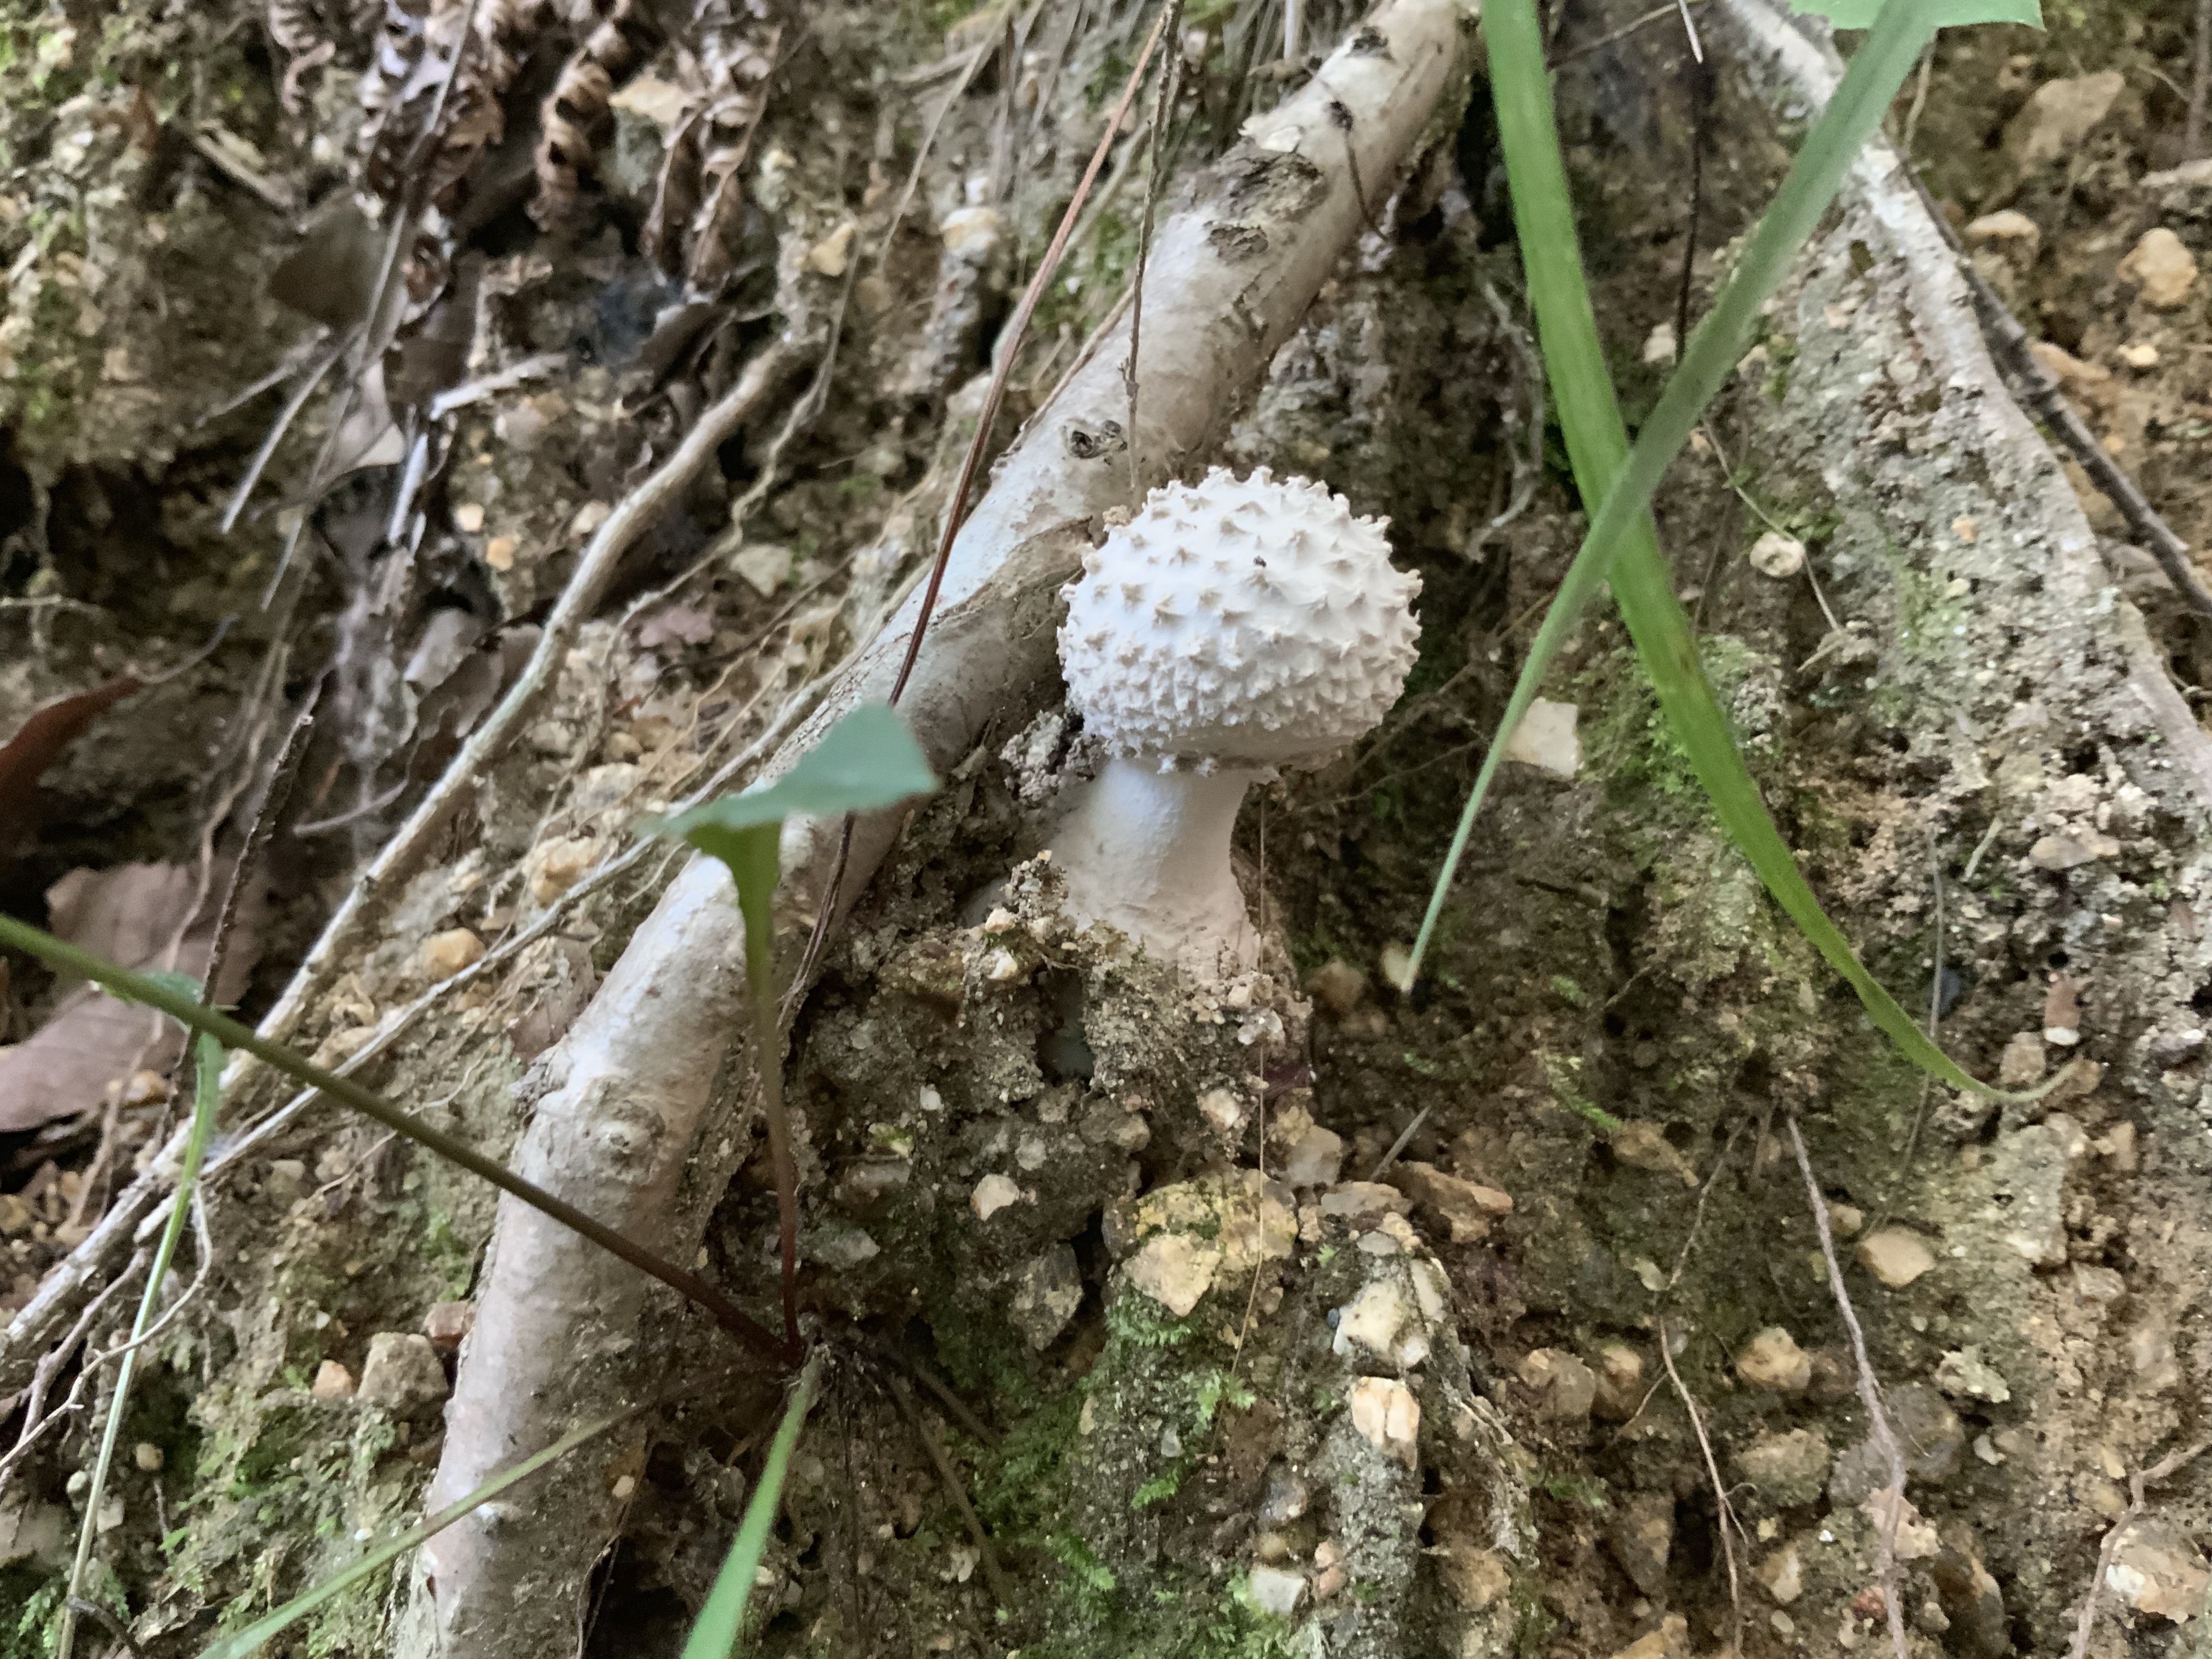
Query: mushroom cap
<point x="1239" y="622"/>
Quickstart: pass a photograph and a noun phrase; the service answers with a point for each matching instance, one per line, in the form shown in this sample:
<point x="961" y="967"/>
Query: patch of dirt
<point x="1019" y="1146"/>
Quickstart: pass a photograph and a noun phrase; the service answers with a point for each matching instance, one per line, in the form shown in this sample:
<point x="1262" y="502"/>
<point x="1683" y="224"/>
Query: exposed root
<point x="552" y="1323"/>
<point x="1725" y="1510"/>
<point x="2164" y="1468"/>
<point x="1870" y="1396"/>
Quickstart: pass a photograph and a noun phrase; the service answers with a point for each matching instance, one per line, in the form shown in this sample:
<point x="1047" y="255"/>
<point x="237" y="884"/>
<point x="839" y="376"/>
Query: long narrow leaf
<point x="183" y="1007"/>
<point x="207" y="1097"/>
<point x="251" y="1639"/>
<point x="721" y="1621"/>
<point x="1621" y="534"/>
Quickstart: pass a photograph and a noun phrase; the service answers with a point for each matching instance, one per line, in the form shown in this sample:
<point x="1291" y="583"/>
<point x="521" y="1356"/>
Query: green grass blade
<point x="721" y="1621"/>
<point x="251" y="1639"/>
<point x="866" y="762"/>
<point x="1624" y="480"/>
<point x="207" y="1097"/>
<point x="181" y="1004"/>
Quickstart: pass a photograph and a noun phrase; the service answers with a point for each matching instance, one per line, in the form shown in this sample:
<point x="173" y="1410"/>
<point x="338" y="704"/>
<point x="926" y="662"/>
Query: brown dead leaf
<point x="26" y="757"/>
<point x="674" y="623"/>
<point x="155" y="917"/>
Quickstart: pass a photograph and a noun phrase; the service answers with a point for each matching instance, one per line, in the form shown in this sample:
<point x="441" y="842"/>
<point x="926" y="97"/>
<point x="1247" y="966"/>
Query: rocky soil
<point x="1290" y="1314"/>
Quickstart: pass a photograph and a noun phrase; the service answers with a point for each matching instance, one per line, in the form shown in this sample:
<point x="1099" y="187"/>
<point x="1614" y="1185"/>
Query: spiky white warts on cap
<point x="1239" y="622"/>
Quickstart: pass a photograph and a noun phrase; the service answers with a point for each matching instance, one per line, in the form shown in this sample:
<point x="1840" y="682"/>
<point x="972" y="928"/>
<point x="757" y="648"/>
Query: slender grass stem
<point x="1622" y="545"/>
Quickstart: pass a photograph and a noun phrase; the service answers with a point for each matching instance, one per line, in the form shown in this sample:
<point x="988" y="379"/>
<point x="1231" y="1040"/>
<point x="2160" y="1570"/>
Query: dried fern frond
<point x="297" y="30"/>
<point x="575" y="116"/>
<point x="700" y="203"/>
<point x="415" y="52"/>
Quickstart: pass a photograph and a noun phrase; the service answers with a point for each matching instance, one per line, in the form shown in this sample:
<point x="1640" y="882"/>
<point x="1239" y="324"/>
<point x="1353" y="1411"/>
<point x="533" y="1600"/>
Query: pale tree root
<point x="2043" y="526"/>
<point x="2047" y="657"/>
<point x="142" y="1206"/>
<point x="629" y="1089"/>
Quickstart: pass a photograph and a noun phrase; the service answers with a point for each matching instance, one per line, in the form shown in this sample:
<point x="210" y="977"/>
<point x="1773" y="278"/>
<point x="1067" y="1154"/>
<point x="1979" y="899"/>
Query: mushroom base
<point x="1147" y="851"/>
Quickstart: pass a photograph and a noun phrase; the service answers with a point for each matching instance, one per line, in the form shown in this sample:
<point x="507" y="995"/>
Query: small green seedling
<point x="721" y="1621"/>
<point x="867" y="762"/>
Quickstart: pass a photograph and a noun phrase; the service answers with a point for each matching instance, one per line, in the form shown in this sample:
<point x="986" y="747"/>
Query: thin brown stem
<point x="2200" y="84"/>
<point x="2170" y="1465"/>
<point x="956" y="512"/>
<point x="955" y="1488"/>
<point x="1169" y="65"/>
<point x="2009" y="345"/>
<point x="768" y="1059"/>
<point x="154" y="993"/>
<point x="1725" y="1510"/>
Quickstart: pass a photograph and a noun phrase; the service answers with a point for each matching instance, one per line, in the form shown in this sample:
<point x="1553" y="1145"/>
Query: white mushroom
<point x="1231" y="628"/>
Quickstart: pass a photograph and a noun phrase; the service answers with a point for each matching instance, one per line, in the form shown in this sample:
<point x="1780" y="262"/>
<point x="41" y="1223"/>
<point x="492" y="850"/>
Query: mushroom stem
<point x="1147" y="851"/>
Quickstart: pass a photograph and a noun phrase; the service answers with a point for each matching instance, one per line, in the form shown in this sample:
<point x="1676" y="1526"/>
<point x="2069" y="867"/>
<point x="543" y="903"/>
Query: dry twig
<point x="2168" y="1466"/>
<point x="1870" y="1396"/>
<point x="956" y="512"/>
<point x="955" y="1487"/>
<point x="1727" y="1520"/>
<point x="2010" y="345"/>
<point x="594" y="575"/>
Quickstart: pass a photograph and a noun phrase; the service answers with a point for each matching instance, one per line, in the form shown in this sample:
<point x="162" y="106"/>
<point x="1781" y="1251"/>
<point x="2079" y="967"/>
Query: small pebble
<point x="992" y="1195"/>
<point x="1388" y="1417"/>
<point x="402" y="1374"/>
<point x="1894" y="1256"/>
<point x="1782" y="1575"/>
<point x="2166" y="269"/>
<point x="148" y="1455"/>
<point x="1564" y="1386"/>
<point x="1772" y="1361"/>
<point x="1336" y="985"/>
<point x="2022" y="1063"/>
<point x="2011" y="229"/>
<point x="333" y="1381"/>
<point x="1777" y="556"/>
<point x="448" y="1324"/>
<point x="1396" y="962"/>
<point x="446" y="954"/>
<point x="1619" y="1372"/>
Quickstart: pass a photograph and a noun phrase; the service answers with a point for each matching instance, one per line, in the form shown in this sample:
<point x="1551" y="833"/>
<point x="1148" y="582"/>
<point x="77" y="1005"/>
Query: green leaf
<point x="207" y="1102"/>
<point x="1949" y="14"/>
<point x="721" y="1621"/>
<point x="254" y="1636"/>
<point x="1623" y="480"/>
<point x="866" y="762"/>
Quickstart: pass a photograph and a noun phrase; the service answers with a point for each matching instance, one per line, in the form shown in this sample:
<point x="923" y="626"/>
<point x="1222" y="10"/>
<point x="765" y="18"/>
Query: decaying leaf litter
<point x="1631" y="970"/>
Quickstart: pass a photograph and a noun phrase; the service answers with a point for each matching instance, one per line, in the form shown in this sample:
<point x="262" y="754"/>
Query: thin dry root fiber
<point x="1232" y="278"/>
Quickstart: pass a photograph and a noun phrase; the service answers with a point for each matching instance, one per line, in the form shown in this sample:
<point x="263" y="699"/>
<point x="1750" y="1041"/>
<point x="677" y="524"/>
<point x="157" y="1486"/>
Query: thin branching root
<point x="713" y="1154"/>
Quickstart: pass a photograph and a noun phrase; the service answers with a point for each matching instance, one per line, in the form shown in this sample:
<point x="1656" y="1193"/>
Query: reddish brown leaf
<point x="153" y="917"/>
<point x="26" y="757"/>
